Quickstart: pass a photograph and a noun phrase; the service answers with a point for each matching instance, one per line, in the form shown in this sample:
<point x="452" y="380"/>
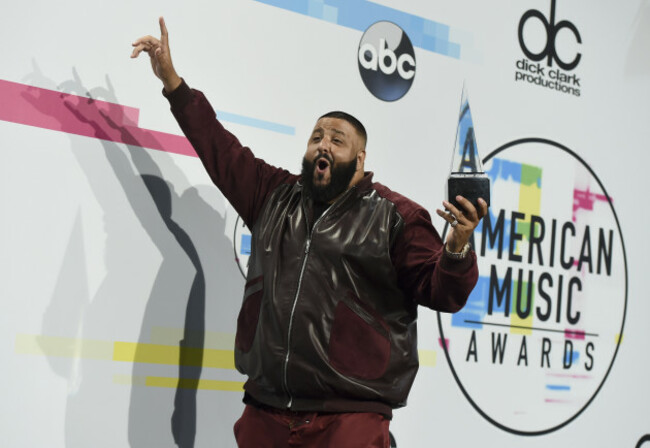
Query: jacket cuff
<point x="450" y="264"/>
<point x="180" y="96"/>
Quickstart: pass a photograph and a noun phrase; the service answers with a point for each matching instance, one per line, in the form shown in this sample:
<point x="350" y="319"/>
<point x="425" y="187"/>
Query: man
<point x="327" y="328"/>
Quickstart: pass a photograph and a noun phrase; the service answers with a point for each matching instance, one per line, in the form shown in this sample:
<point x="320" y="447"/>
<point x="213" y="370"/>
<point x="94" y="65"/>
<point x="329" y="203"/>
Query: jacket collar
<point x="364" y="185"/>
<point x="366" y="182"/>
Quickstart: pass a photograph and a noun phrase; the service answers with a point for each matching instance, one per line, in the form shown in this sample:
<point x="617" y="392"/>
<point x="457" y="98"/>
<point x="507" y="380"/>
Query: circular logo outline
<point x="645" y="438"/>
<point x="618" y="225"/>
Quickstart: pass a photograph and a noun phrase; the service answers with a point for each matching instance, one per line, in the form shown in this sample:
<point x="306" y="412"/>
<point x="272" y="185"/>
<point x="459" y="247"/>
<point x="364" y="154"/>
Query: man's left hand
<point x="462" y="222"/>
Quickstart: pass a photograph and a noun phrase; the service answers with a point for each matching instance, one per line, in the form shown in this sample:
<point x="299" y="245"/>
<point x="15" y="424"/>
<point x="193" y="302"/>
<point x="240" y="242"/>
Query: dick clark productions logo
<point x="386" y="61"/>
<point x="555" y="73"/>
<point x="538" y="336"/>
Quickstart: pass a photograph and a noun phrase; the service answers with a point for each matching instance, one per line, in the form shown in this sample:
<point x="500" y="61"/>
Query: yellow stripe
<point x="173" y="383"/>
<point x="63" y="347"/>
<point x="185" y="383"/>
<point x="169" y="354"/>
<point x="530" y="200"/>
<point x="213" y="339"/>
<point x="123" y="351"/>
<point x="619" y="338"/>
<point x="146" y="353"/>
<point x="517" y="321"/>
<point x="129" y="380"/>
<point x="427" y="358"/>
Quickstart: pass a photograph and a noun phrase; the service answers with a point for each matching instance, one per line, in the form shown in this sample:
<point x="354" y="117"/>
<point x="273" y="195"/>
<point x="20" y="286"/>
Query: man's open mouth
<point x="322" y="165"/>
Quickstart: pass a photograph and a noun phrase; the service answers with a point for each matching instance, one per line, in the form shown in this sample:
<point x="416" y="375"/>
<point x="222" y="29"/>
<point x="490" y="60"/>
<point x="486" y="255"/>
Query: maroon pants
<point x="258" y="428"/>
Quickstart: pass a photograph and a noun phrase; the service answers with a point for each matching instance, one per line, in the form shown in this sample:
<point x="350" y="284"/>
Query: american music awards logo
<point x="552" y="49"/>
<point x="540" y="332"/>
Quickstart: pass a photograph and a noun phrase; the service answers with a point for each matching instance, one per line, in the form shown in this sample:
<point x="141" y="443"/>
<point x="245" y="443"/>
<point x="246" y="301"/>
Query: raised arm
<point x="244" y="180"/>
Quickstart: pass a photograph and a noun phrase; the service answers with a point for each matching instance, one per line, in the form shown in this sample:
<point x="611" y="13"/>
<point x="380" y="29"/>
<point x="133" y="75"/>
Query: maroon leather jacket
<point x="328" y="319"/>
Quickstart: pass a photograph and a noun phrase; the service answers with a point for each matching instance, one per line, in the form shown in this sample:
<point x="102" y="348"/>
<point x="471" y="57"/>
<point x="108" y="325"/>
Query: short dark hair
<point x="356" y="124"/>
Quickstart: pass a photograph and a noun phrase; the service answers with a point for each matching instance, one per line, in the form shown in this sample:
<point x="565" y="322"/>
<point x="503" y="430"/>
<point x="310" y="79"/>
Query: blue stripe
<point x="256" y="123"/>
<point x="476" y="307"/>
<point x="557" y="387"/>
<point x="245" y="248"/>
<point x="570" y="358"/>
<point x="360" y="14"/>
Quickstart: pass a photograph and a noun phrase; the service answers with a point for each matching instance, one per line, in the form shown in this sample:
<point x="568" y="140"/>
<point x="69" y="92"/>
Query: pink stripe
<point x="585" y="199"/>
<point x="574" y="334"/>
<point x="443" y="343"/>
<point x="554" y="400"/>
<point x="49" y="109"/>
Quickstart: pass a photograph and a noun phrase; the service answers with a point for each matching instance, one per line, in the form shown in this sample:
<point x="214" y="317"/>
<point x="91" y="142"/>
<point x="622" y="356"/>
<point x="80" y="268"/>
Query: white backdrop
<point x="115" y="245"/>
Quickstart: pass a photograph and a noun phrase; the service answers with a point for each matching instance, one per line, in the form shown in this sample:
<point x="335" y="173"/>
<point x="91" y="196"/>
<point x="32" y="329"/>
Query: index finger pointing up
<point x="163" y="31"/>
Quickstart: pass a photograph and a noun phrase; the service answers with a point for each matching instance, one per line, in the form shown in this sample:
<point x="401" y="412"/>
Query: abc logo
<point x="386" y="61"/>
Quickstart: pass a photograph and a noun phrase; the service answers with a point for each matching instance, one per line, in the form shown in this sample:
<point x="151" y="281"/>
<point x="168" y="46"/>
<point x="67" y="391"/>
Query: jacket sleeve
<point x="425" y="273"/>
<point x="244" y="180"/>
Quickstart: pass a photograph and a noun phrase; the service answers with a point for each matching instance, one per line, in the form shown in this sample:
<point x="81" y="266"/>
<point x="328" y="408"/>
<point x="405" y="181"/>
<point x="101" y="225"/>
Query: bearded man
<point x="338" y="266"/>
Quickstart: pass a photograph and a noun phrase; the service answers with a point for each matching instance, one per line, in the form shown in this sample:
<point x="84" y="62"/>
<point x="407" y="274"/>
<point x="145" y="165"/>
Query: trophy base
<point x="469" y="186"/>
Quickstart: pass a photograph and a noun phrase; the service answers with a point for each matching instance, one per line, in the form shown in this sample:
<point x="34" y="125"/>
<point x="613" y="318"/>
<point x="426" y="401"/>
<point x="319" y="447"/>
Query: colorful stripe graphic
<point x="173" y="355"/>
<point x="427" y="358"/>
<point x="62" y="347"/>
<point x="145" y="353"/>
<point x="187" y="383"/>
<point x="585" y="200"/>
<point x="476" y="307"/>
<point x="574" y="334"/>
<point x="211" y="339"/>
<point x="138" y="352"/>
<point x="183" y="383"/>
<point x="256" y="123"/>
<point x="360" y="14"/>
<point x="72" y="114"/>
<point x="133" y="352"/>
<point x="519" y="325"/>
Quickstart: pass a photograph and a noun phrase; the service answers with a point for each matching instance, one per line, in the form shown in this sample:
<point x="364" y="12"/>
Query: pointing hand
<point x="161" y="60"/>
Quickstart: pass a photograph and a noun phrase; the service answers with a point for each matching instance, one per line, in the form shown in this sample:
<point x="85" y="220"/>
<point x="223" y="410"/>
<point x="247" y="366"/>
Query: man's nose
<point x="324" y="145"/>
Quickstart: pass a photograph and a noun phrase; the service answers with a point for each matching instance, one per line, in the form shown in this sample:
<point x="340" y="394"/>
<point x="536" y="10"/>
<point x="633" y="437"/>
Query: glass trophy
<point x="466" y="177"/>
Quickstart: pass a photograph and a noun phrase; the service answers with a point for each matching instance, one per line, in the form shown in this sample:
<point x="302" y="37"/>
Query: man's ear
<point x="361" y="158"/>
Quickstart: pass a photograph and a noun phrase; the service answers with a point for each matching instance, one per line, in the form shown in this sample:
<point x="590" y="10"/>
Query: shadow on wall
<point x="187" y="242"/>
<point x="640" y="43"/>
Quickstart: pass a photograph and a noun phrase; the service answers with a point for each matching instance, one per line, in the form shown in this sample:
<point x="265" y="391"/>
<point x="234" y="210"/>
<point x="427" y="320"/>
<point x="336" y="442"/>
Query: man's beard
<point x="340" y="177"/>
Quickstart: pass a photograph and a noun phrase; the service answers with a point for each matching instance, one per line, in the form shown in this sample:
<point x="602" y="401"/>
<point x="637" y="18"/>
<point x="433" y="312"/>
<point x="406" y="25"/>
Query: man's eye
<point x="337" y="141"/>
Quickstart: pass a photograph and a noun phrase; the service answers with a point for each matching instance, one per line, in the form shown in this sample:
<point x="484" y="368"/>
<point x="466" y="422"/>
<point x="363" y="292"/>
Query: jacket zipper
<point x="293" y="309"/>
<point x="295" y="300"/>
